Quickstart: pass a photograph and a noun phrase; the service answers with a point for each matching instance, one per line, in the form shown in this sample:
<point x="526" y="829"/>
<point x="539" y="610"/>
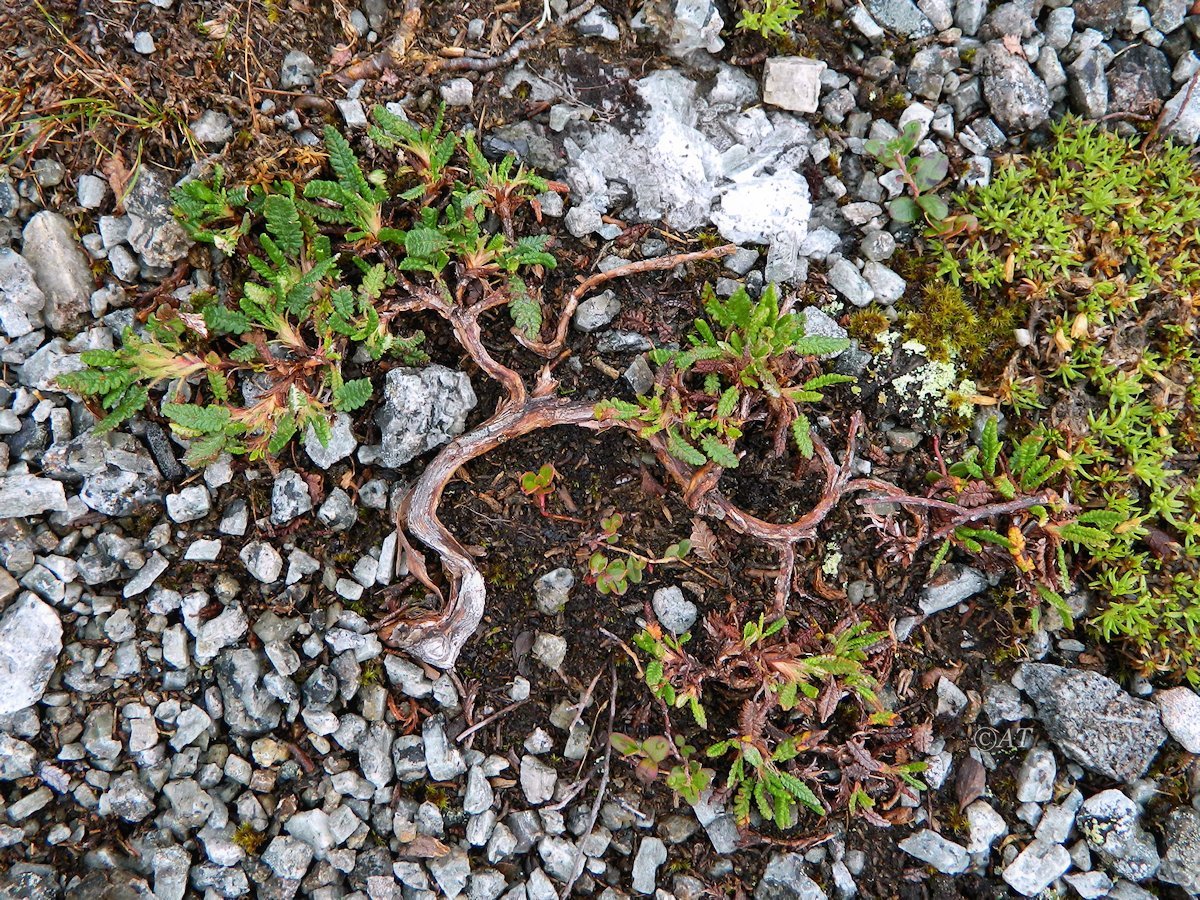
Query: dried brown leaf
<point x="971" y="782"/>
<point x="424" y="847"/>
<point x="704" y="542"/>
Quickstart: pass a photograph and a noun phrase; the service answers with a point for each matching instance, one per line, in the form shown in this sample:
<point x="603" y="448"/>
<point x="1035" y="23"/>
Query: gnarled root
<point x="437" y="638"/>
<point x="700" y="492"/>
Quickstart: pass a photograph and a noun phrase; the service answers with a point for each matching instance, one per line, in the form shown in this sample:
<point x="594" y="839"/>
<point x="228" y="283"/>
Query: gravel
<point x="1035" y="780"/>
<point x="341" y="444"/>
<point x="651" y="854"/>
<point x="290" y="497"/>
<point x="134" y="688"/>
<point x="793" y="83"/>
<point x="52" y="250"/>
<point x="262" y="561"/>
<point x="553" y="590"/>
<point x="1036" y="868"/>
<point x="30" y="642"/>
<point x="22" y="496"/>
<point x="537" y="780"/>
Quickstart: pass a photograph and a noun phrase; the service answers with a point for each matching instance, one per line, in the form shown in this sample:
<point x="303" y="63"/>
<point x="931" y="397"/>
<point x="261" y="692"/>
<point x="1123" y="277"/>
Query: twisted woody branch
<point x="437" y="637"/>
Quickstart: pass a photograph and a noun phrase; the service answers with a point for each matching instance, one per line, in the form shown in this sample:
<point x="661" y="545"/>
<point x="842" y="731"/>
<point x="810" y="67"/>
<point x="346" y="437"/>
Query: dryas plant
<point x="748" y="361"/>
<point x="786" y="684"/>
<point x="322" y="273"/>
<point x="1068" y="246"/>
<point x="245" y="372"/>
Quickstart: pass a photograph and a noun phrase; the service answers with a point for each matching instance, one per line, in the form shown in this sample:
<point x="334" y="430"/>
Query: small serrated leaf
<point x="352" y="395"/>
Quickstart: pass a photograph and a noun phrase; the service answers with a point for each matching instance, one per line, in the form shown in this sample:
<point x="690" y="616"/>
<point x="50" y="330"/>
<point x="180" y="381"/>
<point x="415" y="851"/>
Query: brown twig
<point x="554" y="347"/>
<point x="393" y="52"/>
<point x="488" y="720"/>
<point x="515" y="49"/>
<point x="594" y="813"/>
<point x="437" y="638"/>
<point x="889" y="493"/>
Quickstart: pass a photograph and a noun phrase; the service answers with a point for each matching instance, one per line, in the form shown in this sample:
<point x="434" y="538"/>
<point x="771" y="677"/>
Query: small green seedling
<point x="689" y="779"/>
<point x="922" y="174"/>
<point x="539" y="485"/>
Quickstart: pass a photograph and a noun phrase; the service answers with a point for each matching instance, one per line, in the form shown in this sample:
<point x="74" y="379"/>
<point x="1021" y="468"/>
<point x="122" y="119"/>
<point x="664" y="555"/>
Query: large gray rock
<point x="1167" y="15"/>
<point x="153" y="230"/>
<point x="1019" y="99"/>
<point x="675" y="612"/>
<point x="30" y="641"/>
<point x="1181" y="858"/>
<point x="900" y="16"/>
<point x="1109" y="823"/>
<point x="17" y="758"/>
<point x="1181" y="114"/>
<point x="52" y="249"/>
<point x="21" y="300"/>
<point x="652" y="853"/>
<point x="682" y="26"/>
<point x="1180" y="710"/>
<point x="1088" y="85"/>
<point x="290" y="497"/>
<point x="297" y="71"/>
<point x="423" y="409"/>
<point x="27" y="495"/>
<point x="52" y="360"/>
<point x="1093" y="721"/>
<point x="1138" y="77"/>
<point x="785" y="878"/>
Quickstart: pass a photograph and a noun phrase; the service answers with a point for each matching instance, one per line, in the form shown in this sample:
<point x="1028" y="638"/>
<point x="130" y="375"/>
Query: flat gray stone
<point x="786" y="878"/>
<point x="22" y="496"/>
<point x="52" y="249"/>
<point x="1093" y="721"/>
<point x="1036" y="868"/>
<point x="930" y="847"/>
<point x="30" y="642"/>
<point x="793" y="83"/>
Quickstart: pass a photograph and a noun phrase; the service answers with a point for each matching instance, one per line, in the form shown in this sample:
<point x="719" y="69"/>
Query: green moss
<point x="866" y="325"/>
<point x="1092" y="240"/>
<point x="951" y="327"/>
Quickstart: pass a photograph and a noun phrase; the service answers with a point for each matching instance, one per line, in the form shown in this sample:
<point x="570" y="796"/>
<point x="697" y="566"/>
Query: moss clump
<point x="976" y="331"/>
<point x="1091" y="240"/>
<point x="866" y="325"/>
<point x="248" y="839"/>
